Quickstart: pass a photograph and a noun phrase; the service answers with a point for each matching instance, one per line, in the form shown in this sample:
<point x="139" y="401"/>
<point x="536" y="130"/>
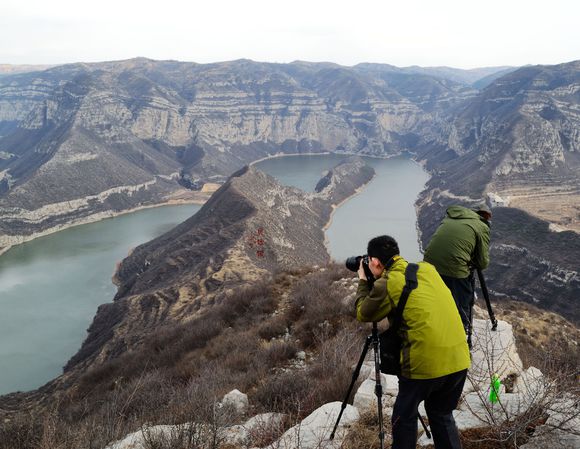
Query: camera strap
<point x="410" y="284"/>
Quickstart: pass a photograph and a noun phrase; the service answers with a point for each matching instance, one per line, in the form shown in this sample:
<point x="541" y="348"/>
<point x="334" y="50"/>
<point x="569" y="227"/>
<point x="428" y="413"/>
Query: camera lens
<point x="353" y="263"/>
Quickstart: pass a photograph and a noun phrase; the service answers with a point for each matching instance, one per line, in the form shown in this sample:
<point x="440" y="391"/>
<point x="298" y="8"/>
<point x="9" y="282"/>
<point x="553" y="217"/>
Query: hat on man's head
<point x="482" y="208"/>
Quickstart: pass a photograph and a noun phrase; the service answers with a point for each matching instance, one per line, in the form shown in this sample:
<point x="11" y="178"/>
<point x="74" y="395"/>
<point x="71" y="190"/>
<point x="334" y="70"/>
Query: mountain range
<point x="83" y="141"/>
<point x="232" y="295"/>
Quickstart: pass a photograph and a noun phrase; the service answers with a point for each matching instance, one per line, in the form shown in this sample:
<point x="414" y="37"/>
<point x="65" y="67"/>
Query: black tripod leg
<point x="483" y="286"/>
<point x="355" y="374"/>
<point x="378" y="386"/>
<point x="424" y="426"/>
<point x="471" y="304"/>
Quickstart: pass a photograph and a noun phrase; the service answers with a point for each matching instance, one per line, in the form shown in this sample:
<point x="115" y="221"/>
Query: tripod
<point x="492" y="318"/>
<point x="487" y="302"/>
<point x="374" y="339"/>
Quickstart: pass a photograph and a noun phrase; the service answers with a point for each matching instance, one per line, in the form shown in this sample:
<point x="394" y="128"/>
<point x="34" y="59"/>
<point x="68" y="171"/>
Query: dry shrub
<point x="21" y="432"/>
<point x="286" y="392"/>
<point x="314" y="303"/>
<point x="332" y="369"/>
<point x="245" y="305"/>
<point x="274" y="327"/>
<point x="364" y="434"/>
<point x="279" y="351"/>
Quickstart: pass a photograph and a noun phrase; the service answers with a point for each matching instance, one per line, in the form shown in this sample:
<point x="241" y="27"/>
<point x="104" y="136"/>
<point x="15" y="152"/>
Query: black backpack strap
<point x="410" y="284"/>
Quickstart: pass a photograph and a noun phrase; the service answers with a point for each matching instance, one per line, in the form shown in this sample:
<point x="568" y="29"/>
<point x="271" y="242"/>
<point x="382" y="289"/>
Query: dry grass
<point x="246" y="341"/>
<point x="249" y="341"/>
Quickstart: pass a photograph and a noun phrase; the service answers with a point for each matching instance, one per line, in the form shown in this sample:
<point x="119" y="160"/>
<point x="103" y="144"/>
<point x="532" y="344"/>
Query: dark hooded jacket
<point x="460" y="242"/>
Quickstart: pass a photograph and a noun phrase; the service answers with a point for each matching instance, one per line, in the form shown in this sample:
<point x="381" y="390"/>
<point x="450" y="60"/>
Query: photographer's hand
<point x="361" y="272"/>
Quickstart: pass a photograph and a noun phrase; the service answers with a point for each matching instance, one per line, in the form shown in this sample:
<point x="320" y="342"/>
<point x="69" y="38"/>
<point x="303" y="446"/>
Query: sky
<point x="458" y="33"/>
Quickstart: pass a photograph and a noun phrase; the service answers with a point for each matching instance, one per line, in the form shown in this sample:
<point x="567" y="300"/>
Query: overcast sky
<point x="457" y="33"/>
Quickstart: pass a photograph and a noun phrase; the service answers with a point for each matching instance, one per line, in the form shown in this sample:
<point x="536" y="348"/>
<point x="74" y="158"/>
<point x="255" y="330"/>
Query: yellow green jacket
<point x="434" y="341"/>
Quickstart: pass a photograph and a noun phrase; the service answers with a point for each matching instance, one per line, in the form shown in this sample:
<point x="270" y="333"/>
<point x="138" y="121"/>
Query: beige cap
<point x="482" y="208"/>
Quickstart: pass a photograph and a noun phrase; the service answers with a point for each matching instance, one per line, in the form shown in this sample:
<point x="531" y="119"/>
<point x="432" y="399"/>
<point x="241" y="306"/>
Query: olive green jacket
<point x="434" y="341"/>
<point x="460" y="242"/>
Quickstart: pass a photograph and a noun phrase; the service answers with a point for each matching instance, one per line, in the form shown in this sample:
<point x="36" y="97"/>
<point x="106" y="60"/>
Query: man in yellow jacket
<point x="434" y="355"/>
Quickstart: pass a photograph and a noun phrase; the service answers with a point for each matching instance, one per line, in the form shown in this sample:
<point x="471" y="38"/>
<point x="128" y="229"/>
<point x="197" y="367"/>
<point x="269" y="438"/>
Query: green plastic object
<point x="494" y="389"/>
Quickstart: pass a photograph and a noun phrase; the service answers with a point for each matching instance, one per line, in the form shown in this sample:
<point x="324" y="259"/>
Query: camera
<point x="353" y="263"/>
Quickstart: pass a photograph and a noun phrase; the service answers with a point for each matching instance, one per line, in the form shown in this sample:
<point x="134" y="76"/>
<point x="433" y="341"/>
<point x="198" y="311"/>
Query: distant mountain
<point x="482" y="83"/>
<point x="478" y="78"/>
<point x="83" y="140"/>
<point x="521" y="137"/>
<point x="11" y="69"/>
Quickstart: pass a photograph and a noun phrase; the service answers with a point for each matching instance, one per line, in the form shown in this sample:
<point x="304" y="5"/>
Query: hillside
<point x="289" y="342"/>
<point x="235" y="297"/>
<point x="515" y="146"/>
<point x="83" y="140"/>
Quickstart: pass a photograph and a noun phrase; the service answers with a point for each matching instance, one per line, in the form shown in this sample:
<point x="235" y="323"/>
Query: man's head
<point x="483" y="211"/>
<point x="383" y="248"/>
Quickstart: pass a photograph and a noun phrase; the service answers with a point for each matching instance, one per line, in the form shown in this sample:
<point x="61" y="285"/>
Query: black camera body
<point x="353" y="264"/>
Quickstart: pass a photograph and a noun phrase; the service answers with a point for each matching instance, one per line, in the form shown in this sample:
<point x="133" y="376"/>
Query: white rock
<point x="138" y="440"/>
<point x="494" y="352"/>
<point x="390" y="385"/>
<point x="237" y="400"/>
<point x="547" y="437"/>
<point x="473" y="412"/>
<point x="315" y="429"/>
<point x="366" y="397"/>
<point x="366" y="370"/>
<point x="239" y="435"/>
<point x="561" y="428"/>
<point x="531" y="383"/>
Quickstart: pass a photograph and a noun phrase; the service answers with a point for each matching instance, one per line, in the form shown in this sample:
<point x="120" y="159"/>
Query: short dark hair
<point x="383" y="247"/>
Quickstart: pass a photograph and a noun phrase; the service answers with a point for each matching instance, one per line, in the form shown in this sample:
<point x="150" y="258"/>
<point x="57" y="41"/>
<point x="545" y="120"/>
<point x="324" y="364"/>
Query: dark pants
<point x="462" y="291"/>
<point x="441" y="396"/>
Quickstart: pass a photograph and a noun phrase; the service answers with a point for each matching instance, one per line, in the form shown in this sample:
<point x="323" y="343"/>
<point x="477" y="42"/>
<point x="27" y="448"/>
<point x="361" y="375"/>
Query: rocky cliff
<point x="516" y="146"/>
<point x="81" y="140"/>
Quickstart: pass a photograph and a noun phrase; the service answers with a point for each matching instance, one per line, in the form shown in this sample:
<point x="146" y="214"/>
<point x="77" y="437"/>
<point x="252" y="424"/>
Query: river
<point x="50" y="288"/>
<point x="384" y="206"/>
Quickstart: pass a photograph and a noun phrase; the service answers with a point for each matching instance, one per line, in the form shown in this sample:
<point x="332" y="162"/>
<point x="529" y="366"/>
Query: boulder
<point x="493" y="352"/>
<point x="241" y="434"/>
<point x="237" y="400"/>
<point x="314" y="431"/>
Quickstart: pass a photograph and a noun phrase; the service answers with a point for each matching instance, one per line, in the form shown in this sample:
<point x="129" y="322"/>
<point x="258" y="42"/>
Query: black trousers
<point x="462" y="291"/>
<point x="441" y="396"/>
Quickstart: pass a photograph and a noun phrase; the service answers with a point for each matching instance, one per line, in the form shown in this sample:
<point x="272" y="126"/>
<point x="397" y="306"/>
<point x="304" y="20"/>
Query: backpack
<point x="390" y="342"/>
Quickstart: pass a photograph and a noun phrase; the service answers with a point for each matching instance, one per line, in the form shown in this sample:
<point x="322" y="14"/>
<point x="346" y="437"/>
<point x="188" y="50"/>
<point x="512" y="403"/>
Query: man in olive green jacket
<point x="461" y="244"/>
<point x="434" y="355"/>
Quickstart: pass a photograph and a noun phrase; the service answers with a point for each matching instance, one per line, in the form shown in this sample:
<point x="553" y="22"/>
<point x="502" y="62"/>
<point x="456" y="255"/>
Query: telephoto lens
<point x="353" y="263"/>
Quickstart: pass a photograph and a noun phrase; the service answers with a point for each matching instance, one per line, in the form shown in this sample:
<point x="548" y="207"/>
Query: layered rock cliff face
<point x="516" y="146"/>
<point x="250" y="228"/>
<point x="519" y="141"/>
<point x="81" y="140"/>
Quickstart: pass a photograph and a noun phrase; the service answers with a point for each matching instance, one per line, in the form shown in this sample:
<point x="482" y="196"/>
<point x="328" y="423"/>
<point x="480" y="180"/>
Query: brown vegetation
<point x="247" y="340"/>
